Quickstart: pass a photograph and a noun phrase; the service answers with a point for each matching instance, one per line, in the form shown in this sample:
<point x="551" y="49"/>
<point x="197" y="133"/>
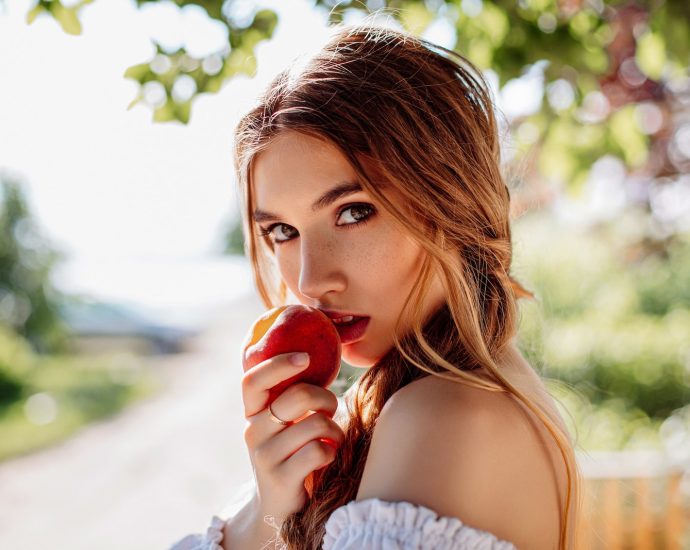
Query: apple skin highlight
<point x="295" y="328"/>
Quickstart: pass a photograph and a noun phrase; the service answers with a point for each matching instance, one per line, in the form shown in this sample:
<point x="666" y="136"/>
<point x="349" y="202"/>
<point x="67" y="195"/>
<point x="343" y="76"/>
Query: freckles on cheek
<point x="383" y="263"/>
<point x="401" y="267"/>
<point x="399" y="257"/>
<point x="366" y="257"/>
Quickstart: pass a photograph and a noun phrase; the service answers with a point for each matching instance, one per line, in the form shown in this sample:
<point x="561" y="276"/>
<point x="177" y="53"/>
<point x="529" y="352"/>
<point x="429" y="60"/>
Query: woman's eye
<point x="348" y="216"/>
<point x="355" y="214"/>
<point x="279" y="232"/>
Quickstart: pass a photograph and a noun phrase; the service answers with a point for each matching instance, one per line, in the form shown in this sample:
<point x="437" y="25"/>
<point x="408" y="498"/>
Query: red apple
<point x="295" y="328"/>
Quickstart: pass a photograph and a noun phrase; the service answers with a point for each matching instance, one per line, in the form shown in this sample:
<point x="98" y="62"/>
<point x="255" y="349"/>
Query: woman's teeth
<point x="345" y="319"/>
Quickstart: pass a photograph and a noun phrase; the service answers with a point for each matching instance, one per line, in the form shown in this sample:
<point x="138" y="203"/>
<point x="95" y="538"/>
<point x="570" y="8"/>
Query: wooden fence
<point x="635" y="501"/>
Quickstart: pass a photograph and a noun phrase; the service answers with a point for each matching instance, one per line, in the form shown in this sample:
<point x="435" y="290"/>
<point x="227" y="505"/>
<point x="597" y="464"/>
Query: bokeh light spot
<point x="41" y="409"/>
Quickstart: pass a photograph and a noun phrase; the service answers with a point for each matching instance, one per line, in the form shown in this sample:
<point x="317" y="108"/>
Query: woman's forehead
<point x="298" y="163"/>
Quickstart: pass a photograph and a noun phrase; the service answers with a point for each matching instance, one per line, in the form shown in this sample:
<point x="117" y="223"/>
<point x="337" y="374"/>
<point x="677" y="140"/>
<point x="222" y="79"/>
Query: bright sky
<point x="135" y="205"/>
<point x="104" y="181"/>
<point x="140" y="208"/>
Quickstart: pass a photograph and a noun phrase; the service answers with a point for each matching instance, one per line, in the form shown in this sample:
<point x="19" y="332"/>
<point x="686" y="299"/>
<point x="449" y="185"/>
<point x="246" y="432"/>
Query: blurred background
<point x="124" y="294"/>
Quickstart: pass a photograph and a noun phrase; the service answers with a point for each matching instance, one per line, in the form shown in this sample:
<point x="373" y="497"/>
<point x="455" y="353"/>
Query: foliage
<point x="605" y="325"/>
<point x="65" y="15"/>
<point x="44" y="398"/>
<point x="10" y="387"/>
<point x="28" y="301"/>
<point x="163" y="76"/>
<point x="234" y="240"/>
<point x="61" y="394"/>
<point x="16" y="360"/>
<point x="615" y="74"/>
<point x="630" y="52"/>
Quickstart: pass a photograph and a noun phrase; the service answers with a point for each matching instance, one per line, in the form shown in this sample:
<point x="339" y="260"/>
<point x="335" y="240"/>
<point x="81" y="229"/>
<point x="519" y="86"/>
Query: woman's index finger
<point x="258" y="380"/>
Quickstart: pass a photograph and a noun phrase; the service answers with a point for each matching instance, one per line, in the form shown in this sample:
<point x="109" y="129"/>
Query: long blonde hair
<point x="419" y="118"/>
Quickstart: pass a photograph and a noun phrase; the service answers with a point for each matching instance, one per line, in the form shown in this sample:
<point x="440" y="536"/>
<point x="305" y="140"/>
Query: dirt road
<point x="153" y="474"/>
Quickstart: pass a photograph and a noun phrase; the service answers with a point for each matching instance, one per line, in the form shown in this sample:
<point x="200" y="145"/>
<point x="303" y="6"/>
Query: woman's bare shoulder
<point x="453" y="391"/>
<point x="467" y="453"/>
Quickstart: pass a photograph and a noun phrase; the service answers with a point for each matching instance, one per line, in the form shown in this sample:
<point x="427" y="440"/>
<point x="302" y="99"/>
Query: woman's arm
<point x="247" y="530"/>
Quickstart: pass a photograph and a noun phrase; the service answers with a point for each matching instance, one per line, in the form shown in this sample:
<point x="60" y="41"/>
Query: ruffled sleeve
<point x="210" y="541"/>
<point x="374" y="524"/>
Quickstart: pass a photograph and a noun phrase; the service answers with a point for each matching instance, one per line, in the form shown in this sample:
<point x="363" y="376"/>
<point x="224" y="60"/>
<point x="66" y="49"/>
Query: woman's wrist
<point x="251" y="528"/>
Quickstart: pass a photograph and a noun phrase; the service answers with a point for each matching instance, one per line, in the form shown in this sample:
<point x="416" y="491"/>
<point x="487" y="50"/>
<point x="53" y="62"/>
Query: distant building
<point x="99" y="327"/>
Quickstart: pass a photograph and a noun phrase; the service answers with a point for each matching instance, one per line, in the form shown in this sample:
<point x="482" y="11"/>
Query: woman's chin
<point x="357" y="358"/>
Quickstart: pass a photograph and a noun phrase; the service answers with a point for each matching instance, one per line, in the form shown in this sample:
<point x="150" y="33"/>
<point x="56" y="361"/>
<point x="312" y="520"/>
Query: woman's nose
<point x="320" y="271"/>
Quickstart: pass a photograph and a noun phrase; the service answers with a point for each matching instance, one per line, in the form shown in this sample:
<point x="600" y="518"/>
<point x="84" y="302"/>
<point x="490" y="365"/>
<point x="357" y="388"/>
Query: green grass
<point x="63" y="394"/>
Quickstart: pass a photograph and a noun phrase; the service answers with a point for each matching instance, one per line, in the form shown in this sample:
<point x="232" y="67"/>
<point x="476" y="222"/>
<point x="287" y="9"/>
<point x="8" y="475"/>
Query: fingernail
<point x="299" y="359"/>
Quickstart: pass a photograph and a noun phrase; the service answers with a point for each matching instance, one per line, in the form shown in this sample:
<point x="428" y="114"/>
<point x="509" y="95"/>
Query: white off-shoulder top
<point x="375" y="524"/>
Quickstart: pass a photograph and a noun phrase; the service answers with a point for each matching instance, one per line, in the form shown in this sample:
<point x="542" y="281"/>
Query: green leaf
<point x="67" y="17"/>
<point x="133" y="102"/>
<point x="265" y="21"/>
<point x="34" y="12"/>
<point x="213" y="84"/>
<point x="239" y="62"/>
<point x="416" y="18"/>
<point x="494" y="21"/>
<point x="165" y="113"/>
<point x="651" y="55"/>
<point x="595" y="60"/>
<point x="583" y="22"/>
<point x="183" y="111"/>
<point x="137" y="72"/>
<point x="629" y="138"/>
<point x="557" y="163"/>
<point x="480" y="53"/>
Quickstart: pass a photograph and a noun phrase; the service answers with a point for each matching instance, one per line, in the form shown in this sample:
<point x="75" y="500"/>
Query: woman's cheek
<point x="288" y="269"/>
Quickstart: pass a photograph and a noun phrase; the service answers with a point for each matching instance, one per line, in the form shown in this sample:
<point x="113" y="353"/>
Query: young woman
<point x="372" y="190"/>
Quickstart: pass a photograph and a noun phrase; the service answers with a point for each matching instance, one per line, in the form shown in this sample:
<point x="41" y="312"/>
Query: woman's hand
<point x="283" y="456"/>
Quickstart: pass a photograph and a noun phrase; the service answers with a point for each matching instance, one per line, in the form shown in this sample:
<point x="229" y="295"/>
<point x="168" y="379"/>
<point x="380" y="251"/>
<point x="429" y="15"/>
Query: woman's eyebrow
<point x="329" y="197"/>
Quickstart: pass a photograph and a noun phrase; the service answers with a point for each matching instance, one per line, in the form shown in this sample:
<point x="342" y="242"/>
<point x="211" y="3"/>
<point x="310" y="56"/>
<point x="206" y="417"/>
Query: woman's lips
<point x="349" y="332"/>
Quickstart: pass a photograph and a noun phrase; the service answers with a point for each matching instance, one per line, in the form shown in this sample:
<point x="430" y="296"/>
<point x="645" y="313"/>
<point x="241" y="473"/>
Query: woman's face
<point x="335" y="247"/>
